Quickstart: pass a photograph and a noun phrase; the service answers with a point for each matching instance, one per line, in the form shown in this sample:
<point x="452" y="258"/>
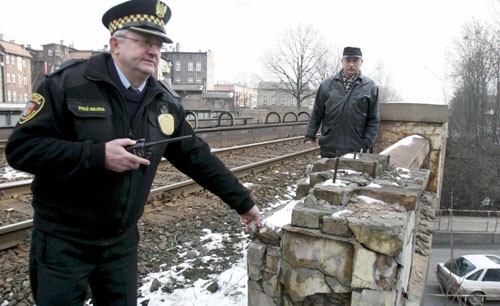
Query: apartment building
<point x="15" y="64"/>
<point x="51" y="56"/>
<point x="191" y="72"/>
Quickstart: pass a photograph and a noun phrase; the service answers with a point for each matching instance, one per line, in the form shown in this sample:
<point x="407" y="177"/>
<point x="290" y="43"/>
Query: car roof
<point x="484" y="260"/>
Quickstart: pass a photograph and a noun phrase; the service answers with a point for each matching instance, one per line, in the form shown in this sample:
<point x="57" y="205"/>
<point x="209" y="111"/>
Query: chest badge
<point x="166" y="122"/>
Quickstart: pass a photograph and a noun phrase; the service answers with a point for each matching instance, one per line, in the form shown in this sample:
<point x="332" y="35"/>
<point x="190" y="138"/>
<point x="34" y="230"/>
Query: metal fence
<point x="467" y="221"/>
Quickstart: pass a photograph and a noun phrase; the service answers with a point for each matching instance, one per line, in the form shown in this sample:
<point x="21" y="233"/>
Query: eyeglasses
<point x="145" y="43"/>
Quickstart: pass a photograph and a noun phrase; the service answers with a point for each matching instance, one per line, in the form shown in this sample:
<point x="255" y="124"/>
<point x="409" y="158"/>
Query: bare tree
<point x="473" y="146"/>
<point x="383" y="79"/>
<point x="473" y="72"/>
<point x="299" y="62"/>
<point x="328" y="64"/>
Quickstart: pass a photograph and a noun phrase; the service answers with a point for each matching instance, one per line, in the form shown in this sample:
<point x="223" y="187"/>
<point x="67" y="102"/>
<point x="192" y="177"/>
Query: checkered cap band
<point x="135" y="20"/>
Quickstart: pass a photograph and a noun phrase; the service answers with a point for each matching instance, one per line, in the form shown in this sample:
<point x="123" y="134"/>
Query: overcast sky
<point x="411" y="40"/>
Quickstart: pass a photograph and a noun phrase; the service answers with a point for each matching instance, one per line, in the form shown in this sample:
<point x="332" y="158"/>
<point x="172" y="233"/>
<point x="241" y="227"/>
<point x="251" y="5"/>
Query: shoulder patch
<point x="65" y="65"/>
<point x="32" y="108"/>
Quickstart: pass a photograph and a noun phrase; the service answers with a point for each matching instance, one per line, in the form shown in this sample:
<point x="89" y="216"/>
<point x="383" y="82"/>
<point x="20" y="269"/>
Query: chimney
<point x="62" y="42"/>
<point x="177" y="47"/>
<point x="1" y="36"/>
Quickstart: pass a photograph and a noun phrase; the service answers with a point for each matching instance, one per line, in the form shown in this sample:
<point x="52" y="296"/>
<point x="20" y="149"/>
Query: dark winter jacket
<point x="61" y="140"/>
<point x="349" y="121"/>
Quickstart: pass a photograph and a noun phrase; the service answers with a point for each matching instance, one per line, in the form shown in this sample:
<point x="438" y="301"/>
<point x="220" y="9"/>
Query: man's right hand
<point x="118" y="159"/>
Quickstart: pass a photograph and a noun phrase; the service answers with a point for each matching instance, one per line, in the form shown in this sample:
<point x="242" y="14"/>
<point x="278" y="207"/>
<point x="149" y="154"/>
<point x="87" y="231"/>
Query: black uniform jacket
<point x="61" y="140"/>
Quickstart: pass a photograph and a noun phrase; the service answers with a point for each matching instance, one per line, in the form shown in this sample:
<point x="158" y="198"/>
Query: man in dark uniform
<point x="89" y="191"/>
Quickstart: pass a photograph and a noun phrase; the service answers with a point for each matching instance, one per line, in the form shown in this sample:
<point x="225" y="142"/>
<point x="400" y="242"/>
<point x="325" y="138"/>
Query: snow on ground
<point x="9" y="174"/>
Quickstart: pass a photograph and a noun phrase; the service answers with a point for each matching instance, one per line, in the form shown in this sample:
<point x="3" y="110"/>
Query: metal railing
<point x="467" y="221"/>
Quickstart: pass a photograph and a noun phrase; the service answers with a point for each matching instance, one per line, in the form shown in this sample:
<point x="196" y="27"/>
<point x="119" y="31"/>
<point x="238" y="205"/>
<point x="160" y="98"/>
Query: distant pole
<point x="451" y="224"/>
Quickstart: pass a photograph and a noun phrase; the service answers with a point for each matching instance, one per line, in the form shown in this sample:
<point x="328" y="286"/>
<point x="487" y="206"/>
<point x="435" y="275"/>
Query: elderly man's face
<point x="351" y="65"/>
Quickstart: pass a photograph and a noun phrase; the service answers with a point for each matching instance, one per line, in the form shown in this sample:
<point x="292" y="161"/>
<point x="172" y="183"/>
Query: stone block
<point x="253" y="285"/>
<point x="272" y="264"/>
<point x="334" y="195"/>
<point x="255" y="260"/>
<point x="336" y="225"/>
<point x="303" y="187"/>
<point x="362" y="270"/>
<point x="397" y="195"/>
<point x="259" y="298"/>
<point x="324" y="164"/>
<point x="300" y="282"/>
<point x="272" y="287"/>
<point x="308" y="217"/>
<point x="337" y="286"/>
<point x="268" y="236"/>
<point x="369" y="297"/>
<point x="382" y="231"/>
<point x="331" y="257"/>
<point x="386" y="271"/>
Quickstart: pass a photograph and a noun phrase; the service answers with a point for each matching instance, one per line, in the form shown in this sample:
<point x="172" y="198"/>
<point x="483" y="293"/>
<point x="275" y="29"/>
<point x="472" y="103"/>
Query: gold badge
<point x="32" y="108"/>
<point x="166" y="122"/>
<point x="161" y="9"/>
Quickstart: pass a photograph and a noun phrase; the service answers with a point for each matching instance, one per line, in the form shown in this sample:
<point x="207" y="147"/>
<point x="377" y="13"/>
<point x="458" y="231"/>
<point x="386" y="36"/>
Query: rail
<point x="13" y="234"/>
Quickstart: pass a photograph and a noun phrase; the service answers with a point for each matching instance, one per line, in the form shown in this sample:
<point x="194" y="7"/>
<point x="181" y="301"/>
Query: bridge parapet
<point x="350" y="240"/>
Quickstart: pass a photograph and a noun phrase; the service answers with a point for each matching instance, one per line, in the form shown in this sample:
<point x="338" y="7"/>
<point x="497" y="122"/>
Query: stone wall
<point x="350" y="240"/>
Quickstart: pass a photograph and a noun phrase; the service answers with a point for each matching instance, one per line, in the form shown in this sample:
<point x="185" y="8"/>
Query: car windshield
<point x="459" y="266"/>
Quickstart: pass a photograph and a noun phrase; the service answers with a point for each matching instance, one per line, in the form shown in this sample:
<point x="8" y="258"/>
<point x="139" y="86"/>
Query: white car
<point x="473" y="277"/>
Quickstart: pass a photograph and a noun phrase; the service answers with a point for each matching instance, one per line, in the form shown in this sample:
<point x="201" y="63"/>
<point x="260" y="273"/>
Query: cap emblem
<point x="161" y="9"/>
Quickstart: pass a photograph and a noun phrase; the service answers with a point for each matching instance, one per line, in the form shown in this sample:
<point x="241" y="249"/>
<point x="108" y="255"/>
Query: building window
<point x="7" y="59"/>
<point x="8" y="77"/>
<point x="25" y="79"/>
<point x="14" y="96"/>
<point x="25" y="97"/>
<point x="9" y="99"/>
<point x="190" y="66"/>
<point x="265" y="100"/>
<point x="50" y="52"/>
<point x="190" y="80"/>
<point x="198" y="79"/>
<point x="177" y="79"/>
<point x="177" y="66"/>
<point x="24" y="63"/>
<point x="198" y="66"/>
<point x="19" y="63"/>
<point x="13" y="78"/>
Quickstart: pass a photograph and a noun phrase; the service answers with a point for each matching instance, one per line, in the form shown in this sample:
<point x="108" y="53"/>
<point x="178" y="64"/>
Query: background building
<point x="16" y="72"/>
<point x="273" y="95"/>
<point x="191" y="72"/>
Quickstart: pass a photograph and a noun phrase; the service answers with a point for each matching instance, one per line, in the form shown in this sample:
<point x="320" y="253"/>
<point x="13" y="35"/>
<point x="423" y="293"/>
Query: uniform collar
<point x="126" y="82"/>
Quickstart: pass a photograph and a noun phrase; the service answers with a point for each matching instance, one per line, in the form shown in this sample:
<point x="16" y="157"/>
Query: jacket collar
<point x="97" y="71"/>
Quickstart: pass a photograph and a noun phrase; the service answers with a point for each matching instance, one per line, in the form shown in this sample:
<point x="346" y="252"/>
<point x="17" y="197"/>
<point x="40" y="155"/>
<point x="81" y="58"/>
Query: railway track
<point x="270" y="153"/>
